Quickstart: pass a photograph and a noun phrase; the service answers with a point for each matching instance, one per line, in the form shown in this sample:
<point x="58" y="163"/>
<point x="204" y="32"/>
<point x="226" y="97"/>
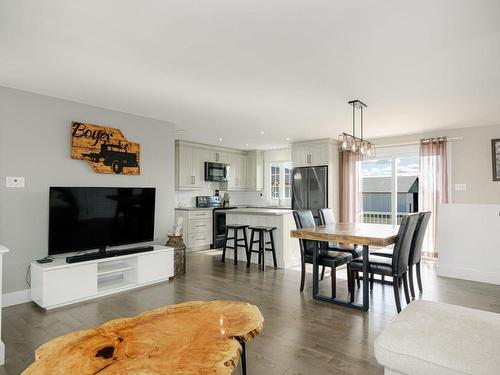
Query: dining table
<point x="364" y="234"/>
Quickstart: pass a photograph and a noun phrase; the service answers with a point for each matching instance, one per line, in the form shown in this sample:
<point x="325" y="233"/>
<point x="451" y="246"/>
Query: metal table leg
<point x="243" y="358"/>
<point x="366" y="290"/>
<point x="337" y="301"/>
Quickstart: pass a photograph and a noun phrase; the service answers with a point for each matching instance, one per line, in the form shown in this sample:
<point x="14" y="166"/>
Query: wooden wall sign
<point x="105" y="149"/>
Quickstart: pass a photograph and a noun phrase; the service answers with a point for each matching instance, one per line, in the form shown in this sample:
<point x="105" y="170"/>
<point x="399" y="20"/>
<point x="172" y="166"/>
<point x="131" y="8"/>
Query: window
<point x="275" y="180"/>
<point x="281" y="180"/>
<point x="390" y="186"/>
<point x="288" y="180"/>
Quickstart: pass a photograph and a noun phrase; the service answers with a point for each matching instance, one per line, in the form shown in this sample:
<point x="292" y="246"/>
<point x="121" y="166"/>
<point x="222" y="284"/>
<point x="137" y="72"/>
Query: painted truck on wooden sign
<point x="105" y="149"/>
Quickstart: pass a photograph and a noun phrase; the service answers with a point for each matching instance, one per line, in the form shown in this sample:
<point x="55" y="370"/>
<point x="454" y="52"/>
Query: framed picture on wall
<point x="495" y="158"/>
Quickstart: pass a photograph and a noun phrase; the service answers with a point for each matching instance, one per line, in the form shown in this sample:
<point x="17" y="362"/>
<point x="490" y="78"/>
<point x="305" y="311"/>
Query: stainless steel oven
<point x="215" y="172"/>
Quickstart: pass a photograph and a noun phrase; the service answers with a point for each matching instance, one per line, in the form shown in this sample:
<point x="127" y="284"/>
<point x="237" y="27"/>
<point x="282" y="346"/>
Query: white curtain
<point x="433" y="187"/>
<point x="351" y="203"/>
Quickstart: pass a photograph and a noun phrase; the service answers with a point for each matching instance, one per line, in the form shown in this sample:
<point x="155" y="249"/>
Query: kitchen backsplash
<point x="250" y="198"/>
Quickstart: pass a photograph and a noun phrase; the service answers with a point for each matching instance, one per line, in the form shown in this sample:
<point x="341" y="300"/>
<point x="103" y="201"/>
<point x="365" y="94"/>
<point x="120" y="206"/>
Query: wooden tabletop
<point x="355" y="233"/>
<point x="188" y="338"/>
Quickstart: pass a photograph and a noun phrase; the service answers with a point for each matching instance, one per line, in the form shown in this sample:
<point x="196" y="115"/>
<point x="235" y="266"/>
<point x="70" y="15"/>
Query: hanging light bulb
<point x="343" y="141"/>
<point x="352" y="143"/>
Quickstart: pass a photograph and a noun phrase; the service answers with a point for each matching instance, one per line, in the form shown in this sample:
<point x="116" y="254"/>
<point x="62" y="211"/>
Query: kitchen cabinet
<point x="217" y="156"/>
<point x="190" y="166"/>
<point x="237" y="172"/>
<point x="313" y="153"/>
<point x="245" y="168"/>
<point x="317" y="153"/>
<point x="197" y="226"/>
<point x="255" y="170"/>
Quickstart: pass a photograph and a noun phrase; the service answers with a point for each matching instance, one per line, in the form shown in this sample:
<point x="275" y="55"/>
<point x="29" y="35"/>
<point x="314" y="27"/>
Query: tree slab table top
<point x="189" y="338"/>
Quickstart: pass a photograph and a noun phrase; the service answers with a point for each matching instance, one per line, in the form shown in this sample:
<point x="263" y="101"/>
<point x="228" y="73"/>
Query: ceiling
<point x="231" y="69"/>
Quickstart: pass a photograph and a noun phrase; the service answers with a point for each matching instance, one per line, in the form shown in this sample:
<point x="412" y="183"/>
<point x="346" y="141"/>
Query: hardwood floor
<point x="300" y="336"/>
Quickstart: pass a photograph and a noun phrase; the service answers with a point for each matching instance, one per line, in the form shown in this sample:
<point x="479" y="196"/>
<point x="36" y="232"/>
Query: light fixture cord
<point x="361" y="122"/>
<point x="353" y="120"/>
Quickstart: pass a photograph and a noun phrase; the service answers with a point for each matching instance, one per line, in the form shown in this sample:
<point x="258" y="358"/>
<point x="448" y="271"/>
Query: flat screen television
<point x="84" y="218"/>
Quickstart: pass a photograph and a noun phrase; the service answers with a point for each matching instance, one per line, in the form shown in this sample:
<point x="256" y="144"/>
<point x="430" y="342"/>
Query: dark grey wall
<point x="35" y="143"/>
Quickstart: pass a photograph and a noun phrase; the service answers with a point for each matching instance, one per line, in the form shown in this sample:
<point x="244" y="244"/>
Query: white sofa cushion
<point x="437" y="338"/>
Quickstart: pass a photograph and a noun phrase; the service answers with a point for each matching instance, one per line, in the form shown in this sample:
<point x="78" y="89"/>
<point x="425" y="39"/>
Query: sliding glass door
<point x="390" y="185"/>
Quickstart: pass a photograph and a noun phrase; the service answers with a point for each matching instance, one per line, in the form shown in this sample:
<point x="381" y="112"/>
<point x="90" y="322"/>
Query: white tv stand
<point x="59" y="283"/>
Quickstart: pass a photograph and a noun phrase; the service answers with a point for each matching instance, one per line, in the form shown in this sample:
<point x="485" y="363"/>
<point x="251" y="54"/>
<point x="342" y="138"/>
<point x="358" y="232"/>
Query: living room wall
<point x="35" y="143"/>
<point x="470" y="162"/>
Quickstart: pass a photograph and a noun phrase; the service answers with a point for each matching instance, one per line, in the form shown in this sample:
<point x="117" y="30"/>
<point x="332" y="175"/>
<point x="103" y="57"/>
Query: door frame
<point x="393" y="153"/>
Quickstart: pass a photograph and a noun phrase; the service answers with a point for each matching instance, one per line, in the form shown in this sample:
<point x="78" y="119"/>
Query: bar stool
<point x="262" y="245"/>
<point x="235" y="228"/>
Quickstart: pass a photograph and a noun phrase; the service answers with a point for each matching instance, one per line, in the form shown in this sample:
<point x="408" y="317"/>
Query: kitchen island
<point x="287" y="249"/>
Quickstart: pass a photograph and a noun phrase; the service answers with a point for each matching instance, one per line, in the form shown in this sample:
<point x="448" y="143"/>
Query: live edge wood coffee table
<point x="188" y="338"/>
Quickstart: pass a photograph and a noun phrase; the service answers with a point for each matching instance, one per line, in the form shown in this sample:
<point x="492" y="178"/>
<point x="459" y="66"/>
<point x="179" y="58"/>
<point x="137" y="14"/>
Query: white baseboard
<point x="15" y="298"/>
<point x="469" y="274"/>
<point x="2" y="353"/>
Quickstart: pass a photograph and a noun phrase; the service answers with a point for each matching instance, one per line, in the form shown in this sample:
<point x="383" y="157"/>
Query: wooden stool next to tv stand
<point x="59" y="283"/>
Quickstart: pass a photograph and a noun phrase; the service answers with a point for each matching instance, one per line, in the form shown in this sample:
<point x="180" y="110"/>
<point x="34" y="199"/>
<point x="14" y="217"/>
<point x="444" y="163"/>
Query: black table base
<point x="337" y="301"/>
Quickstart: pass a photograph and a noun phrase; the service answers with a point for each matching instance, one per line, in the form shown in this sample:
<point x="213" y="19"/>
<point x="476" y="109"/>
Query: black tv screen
<point x="83" y="218"/>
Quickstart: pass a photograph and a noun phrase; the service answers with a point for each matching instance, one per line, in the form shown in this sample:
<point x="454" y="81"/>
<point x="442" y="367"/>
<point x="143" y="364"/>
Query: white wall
<point x="470" y="254"/>
<point x="35" y="143"/>
<point x="470" y="162"/>
<point x="462" y="253"/>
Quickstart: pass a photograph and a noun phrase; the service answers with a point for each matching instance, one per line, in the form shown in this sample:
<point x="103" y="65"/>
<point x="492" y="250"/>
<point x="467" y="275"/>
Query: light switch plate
<point x="460" y="187"/>
<point x="14" y="182"/>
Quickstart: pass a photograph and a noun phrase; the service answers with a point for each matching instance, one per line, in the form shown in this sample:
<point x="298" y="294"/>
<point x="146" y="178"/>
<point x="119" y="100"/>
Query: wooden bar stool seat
<point x="262" y="247"/>
<point x="236" y="241"/>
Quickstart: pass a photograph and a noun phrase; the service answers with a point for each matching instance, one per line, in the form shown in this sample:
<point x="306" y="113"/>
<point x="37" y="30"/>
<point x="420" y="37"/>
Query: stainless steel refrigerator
<point x="310" y="189"/>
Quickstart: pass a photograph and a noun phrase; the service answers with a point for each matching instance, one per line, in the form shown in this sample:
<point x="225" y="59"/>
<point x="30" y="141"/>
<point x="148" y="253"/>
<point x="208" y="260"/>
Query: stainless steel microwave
<point x="215" y="172"/>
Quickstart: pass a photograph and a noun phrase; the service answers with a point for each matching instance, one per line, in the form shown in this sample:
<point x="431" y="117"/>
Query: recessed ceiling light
<point x="179" y="131"/>
<point x="262" y="132"/>
<point x="288" y="139"/>
<point x="220" y="139"/>
<point x="246" y="144"/>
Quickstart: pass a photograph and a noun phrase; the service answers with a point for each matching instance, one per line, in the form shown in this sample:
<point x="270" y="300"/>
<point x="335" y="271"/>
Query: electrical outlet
<point x="460" y="187"/>
<point x="14" y="182"/>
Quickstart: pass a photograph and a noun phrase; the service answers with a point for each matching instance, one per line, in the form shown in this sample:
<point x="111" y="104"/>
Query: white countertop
<point x="241" y="206"/>
<point x="194" y="208"/>
<point x="260" y="211"/>
<point x="3" y="249"/>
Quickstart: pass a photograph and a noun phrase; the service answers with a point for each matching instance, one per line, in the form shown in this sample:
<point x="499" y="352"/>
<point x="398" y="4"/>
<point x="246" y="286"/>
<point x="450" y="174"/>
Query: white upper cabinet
<point x="183" y="171"/>
<point x="217" y="156"/>
<point x="198" y="166"/>
<point x="190" y="161"/>
<point x="313" y="153"/>
<point x="237" y="171"/>
<point x="255" y="170"/>
<point x="189" y="166"/>
<point x="300" y="154"/>
<point x="320" y="153"/>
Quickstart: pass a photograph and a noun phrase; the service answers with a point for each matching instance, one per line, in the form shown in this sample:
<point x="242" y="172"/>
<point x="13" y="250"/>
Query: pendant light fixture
<point x="352" y="143"/>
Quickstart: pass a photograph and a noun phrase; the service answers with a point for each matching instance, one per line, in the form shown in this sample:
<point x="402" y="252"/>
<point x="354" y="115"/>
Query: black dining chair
<point x="326" y="217"/>
<point x="326" y="258"/>
<point x="415" y="256"/>
<point x="397" y="266"/>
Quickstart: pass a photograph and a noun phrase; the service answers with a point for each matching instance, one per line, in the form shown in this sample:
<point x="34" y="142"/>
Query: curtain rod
<point x="450" y="139"/>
